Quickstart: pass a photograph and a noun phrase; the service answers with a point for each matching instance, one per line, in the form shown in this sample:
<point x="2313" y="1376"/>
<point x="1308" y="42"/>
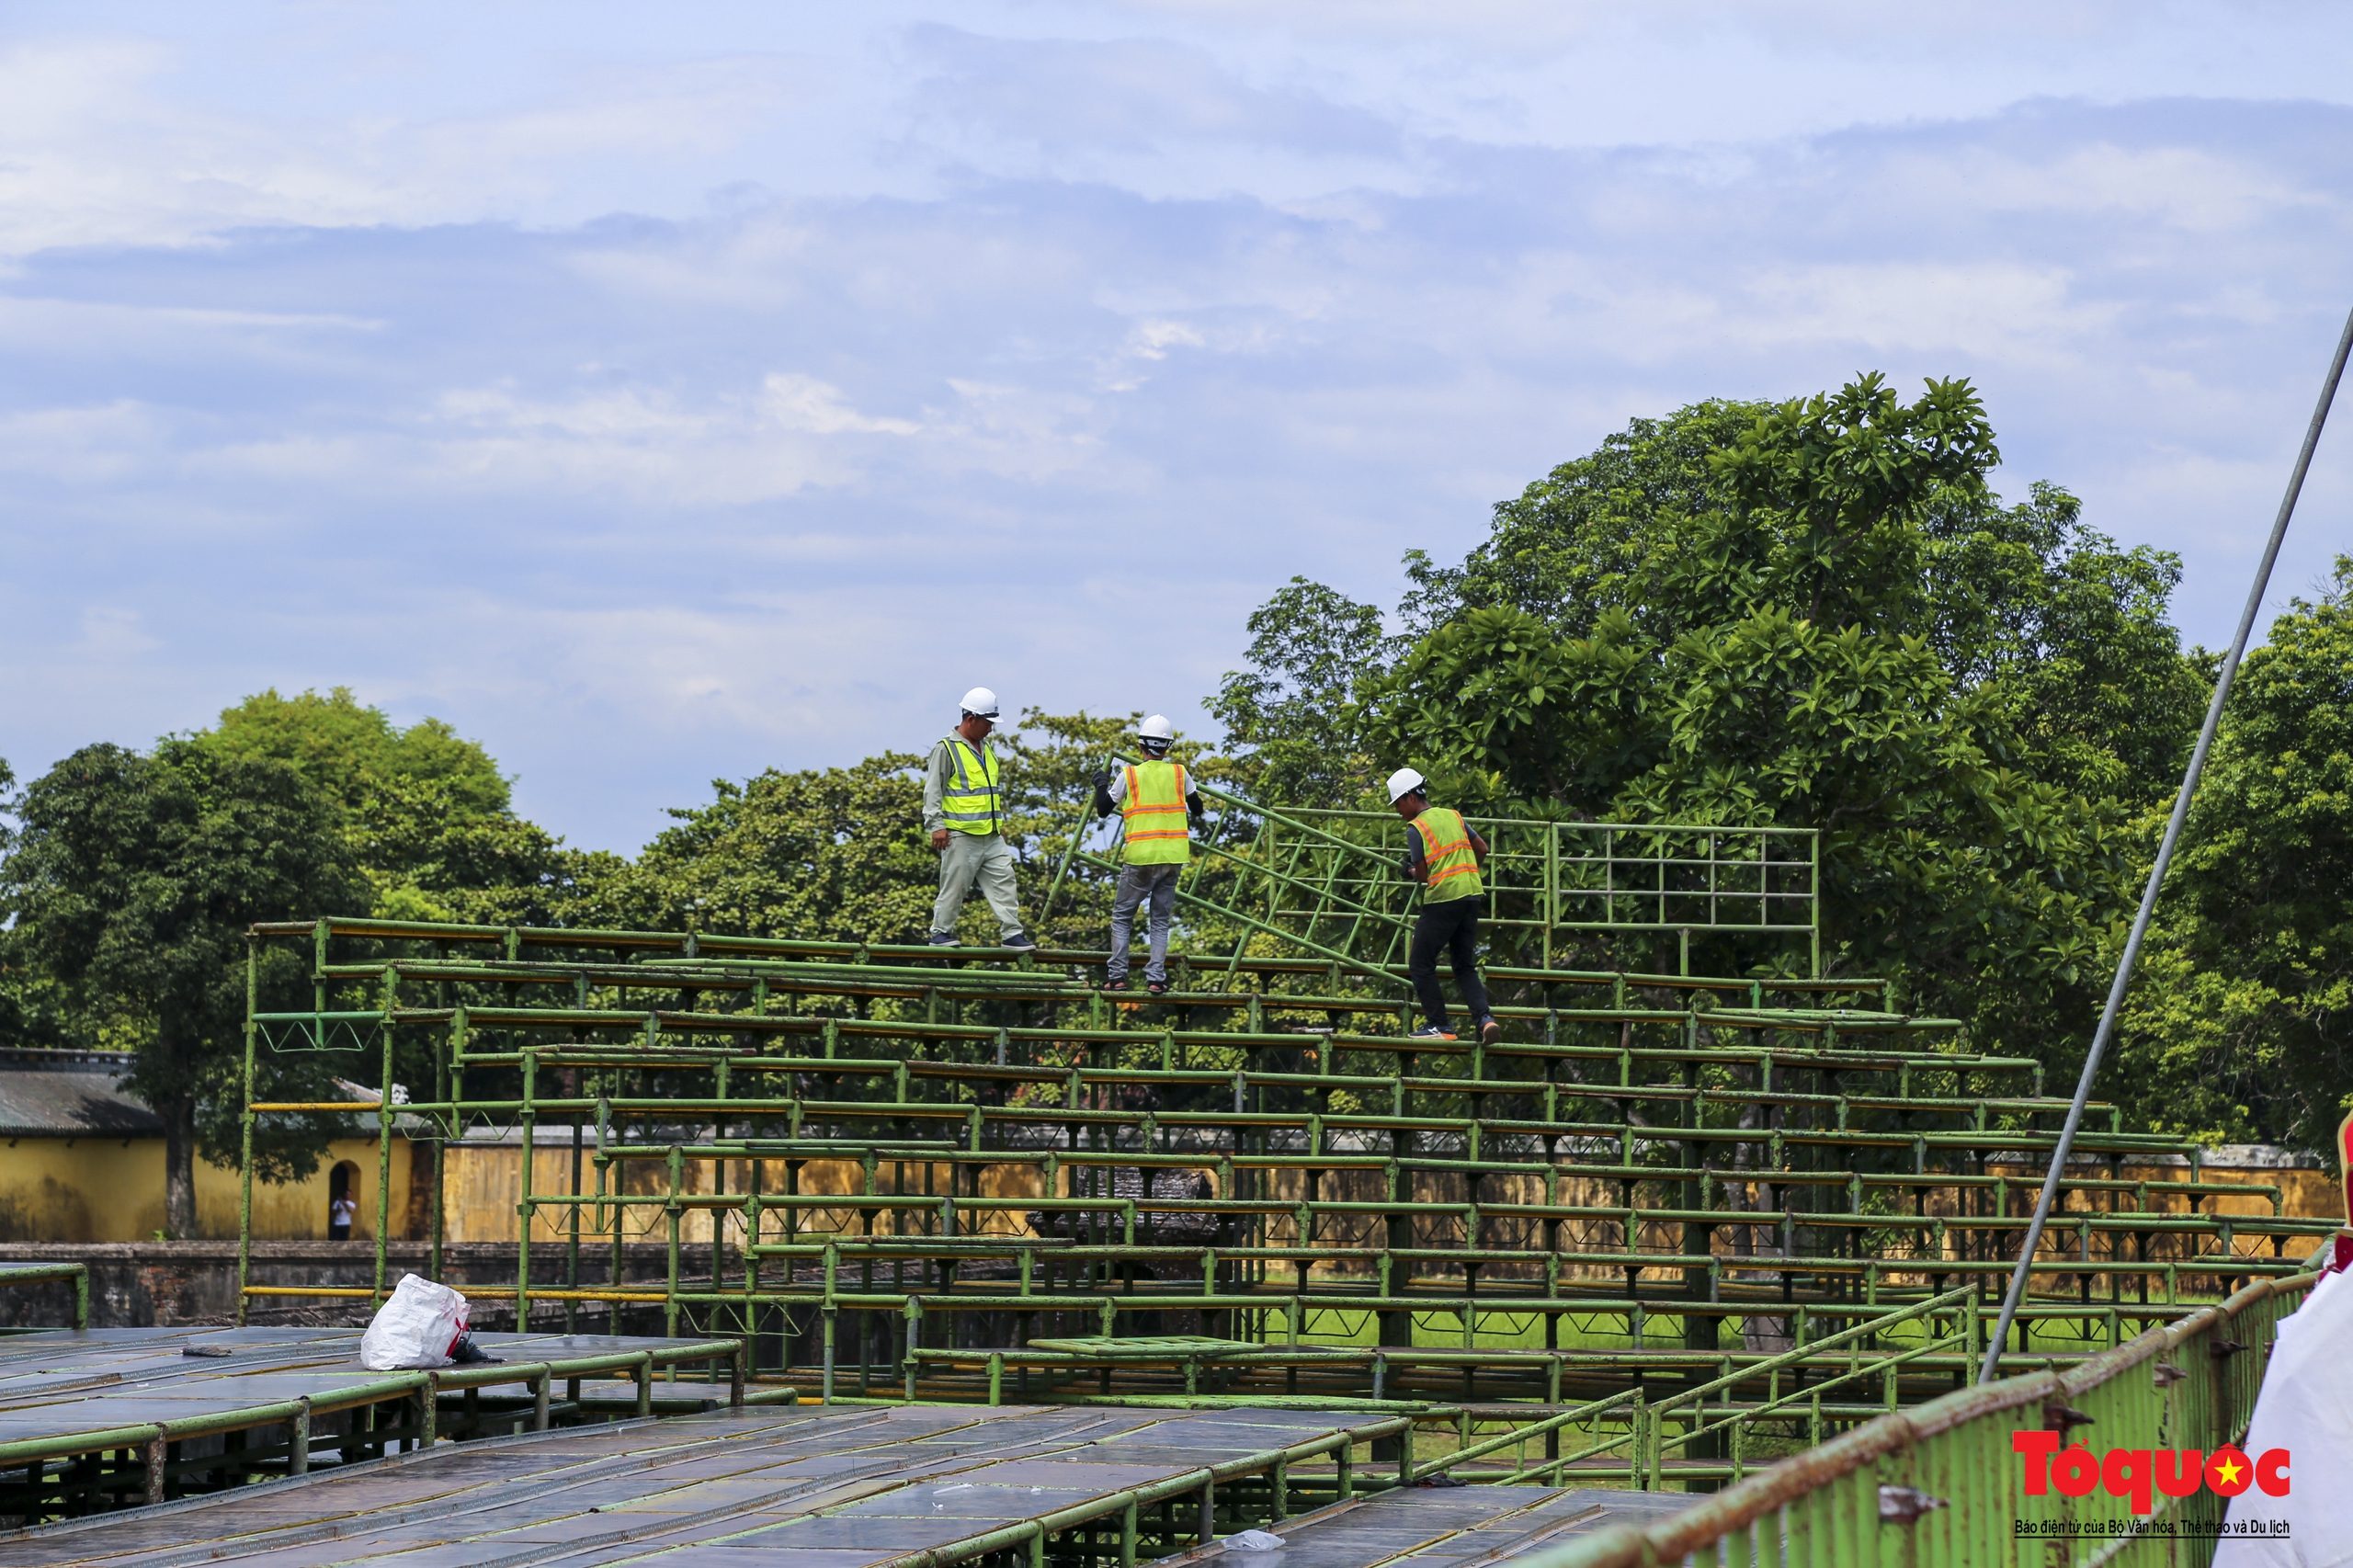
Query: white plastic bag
<point x="1254" y="1540"/>
<point x="419" y="1327"/>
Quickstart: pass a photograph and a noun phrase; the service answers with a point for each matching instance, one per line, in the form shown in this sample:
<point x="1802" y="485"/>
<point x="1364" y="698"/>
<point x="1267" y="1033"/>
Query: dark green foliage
<point x="429" y="855"/>
<point x="1572" y="541"/>
<point x="2068" y="635"/>
<point x="833" y="853"/>
<point x="426" y="812"/>
<point x="1308" y="646"/>
<point x="131" y="882"/>
<point x="1811" y="614"/>
<point x="33" y="1008"/>
<point x="2239" y="1021"/>
<point x="346" y="750"/>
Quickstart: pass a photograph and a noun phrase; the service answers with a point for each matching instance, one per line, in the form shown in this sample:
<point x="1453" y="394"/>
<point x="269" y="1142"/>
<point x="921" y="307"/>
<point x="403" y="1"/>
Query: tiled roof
<point x="68" y="1094"/>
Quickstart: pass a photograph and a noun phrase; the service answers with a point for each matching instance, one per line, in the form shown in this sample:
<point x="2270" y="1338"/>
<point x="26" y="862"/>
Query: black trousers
<point x="1451" y="927"/>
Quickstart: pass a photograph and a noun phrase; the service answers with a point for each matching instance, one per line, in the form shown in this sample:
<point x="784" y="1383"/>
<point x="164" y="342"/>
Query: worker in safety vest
<point x="964" y="813"/>
<point x="1158" y="804"/>
<point x="1445" y="856"/>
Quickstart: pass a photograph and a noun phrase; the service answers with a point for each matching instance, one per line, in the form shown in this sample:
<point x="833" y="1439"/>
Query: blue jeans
<point x="1137" y="883"/>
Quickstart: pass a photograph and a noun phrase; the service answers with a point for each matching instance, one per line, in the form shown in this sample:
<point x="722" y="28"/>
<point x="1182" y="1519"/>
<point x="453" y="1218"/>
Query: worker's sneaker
<point x="1016" y="940"/>
<point x="1490" y="1030"/>
<point x="943" y="939"/>
<point x="1431" y="1032"/>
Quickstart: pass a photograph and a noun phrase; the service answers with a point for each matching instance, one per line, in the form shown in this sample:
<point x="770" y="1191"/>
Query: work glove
<point x="1100" y="780"/>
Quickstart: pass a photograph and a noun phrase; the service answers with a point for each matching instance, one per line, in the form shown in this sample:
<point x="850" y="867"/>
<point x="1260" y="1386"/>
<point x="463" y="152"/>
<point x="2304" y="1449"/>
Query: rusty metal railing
<point x="76" y="1274"/>
<point x="1941" y="1487"/>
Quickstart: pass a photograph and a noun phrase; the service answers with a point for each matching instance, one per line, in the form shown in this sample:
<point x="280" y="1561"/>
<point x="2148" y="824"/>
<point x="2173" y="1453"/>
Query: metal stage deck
<point x="94" y="1420"/>
<point x="914" y="1486"/>
<point x="1466" y="1527"/>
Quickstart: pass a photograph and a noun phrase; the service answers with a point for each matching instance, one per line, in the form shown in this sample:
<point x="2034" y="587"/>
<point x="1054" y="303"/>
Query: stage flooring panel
<point x="740" y="1489"/>
<point x="1444" y="1528"/>
<point x="373" y="1509"/>
<point x="60" y="1384"/>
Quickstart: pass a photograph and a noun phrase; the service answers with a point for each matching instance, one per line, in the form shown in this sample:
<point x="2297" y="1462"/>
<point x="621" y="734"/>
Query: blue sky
<point x="662" y="393"/>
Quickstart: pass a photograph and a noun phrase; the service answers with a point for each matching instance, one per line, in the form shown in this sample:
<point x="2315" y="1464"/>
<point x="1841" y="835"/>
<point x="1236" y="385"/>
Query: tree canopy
<point x="428" y="816"/>
<point x="130" y="884"/>
<point x="2240" y="1023"/>
<point x="1809" y="614"/>
<point x="134" y="875"/>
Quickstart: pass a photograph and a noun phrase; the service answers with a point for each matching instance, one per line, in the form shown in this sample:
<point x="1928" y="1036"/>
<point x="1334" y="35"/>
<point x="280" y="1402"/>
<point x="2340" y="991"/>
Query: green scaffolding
<point x="1668" y="1225"/>
<point x="1329" y="883"/>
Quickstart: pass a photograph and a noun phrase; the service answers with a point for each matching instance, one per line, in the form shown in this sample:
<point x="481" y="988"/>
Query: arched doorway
<point x="343" y="1201"/>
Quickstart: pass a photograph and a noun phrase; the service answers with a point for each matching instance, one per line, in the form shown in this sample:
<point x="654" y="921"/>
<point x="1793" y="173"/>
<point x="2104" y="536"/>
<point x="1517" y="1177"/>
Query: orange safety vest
<point x="1452" y="865"/>
<point x="1153" y="816"/>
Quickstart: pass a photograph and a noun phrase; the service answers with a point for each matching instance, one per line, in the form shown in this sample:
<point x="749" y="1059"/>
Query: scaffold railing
<point x="1941" y="1484"/>
<point x="1330" y="883"/>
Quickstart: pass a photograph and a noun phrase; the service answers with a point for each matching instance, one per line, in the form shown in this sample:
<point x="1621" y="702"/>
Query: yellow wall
<point x="111" y="1189"/>
<point x="485" y="1184"/>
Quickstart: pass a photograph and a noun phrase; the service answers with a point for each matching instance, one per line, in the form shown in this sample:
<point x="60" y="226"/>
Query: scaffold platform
<point x="96" y="1419"/>
<point x="845" y="1487"/>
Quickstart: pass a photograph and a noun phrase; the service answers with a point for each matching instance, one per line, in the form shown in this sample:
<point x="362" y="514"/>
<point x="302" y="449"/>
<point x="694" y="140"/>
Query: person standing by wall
<point x="1445" y="856"/>
<point x="1159" y="806"/>
<point x="964" y="811"/>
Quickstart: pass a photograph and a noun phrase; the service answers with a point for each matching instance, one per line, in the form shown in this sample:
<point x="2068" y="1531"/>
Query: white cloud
<point x="804" y="403"/>
<point x="651" y="446"/>
<point x="2185" y="188"/>
<point x="98" y="151"/>
<point x="85" y="446"/>
<point x="1153" y="338"/>
<point x="1995" y="312"/>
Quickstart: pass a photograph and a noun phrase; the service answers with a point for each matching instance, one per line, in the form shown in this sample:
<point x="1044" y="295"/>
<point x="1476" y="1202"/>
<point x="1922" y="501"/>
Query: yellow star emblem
<point x="2229" y="1470"/>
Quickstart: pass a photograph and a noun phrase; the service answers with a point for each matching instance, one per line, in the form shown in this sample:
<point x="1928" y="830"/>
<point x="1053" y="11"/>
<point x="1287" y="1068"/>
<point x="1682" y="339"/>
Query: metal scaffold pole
<point x="2123" y="981"/>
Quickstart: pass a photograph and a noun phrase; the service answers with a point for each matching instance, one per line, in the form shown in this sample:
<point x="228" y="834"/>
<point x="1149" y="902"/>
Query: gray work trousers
<point x="985" y="858"/>
<point x="1137" y="883"/>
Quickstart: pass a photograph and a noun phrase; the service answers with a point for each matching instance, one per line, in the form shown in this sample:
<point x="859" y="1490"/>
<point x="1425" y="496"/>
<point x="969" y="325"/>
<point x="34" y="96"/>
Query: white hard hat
<point x="981" y="700"/>
<point x="1403" y="782"/>
<point x="1157" y="728"/>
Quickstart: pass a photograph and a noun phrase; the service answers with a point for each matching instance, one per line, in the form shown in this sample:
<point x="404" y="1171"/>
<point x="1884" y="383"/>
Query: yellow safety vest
<point x="970" y="802"/>
<point x="1452" y="865"/>
<point x="1154" y="815"/>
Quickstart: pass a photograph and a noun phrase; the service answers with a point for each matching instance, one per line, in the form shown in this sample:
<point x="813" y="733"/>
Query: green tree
<point x="1586" y="536"/>
<point x="32" y="1009"/>
<point x="347" y="749"/>
<point x="833" y="852"/>
<point x="1289" y="733"/>
<point x="430" y="817"/>
<point x="1807" y="614"/>
<point x="131" y="882"/>
<point x="2240" y="1021"/>
<point x="2067" y="634"/>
